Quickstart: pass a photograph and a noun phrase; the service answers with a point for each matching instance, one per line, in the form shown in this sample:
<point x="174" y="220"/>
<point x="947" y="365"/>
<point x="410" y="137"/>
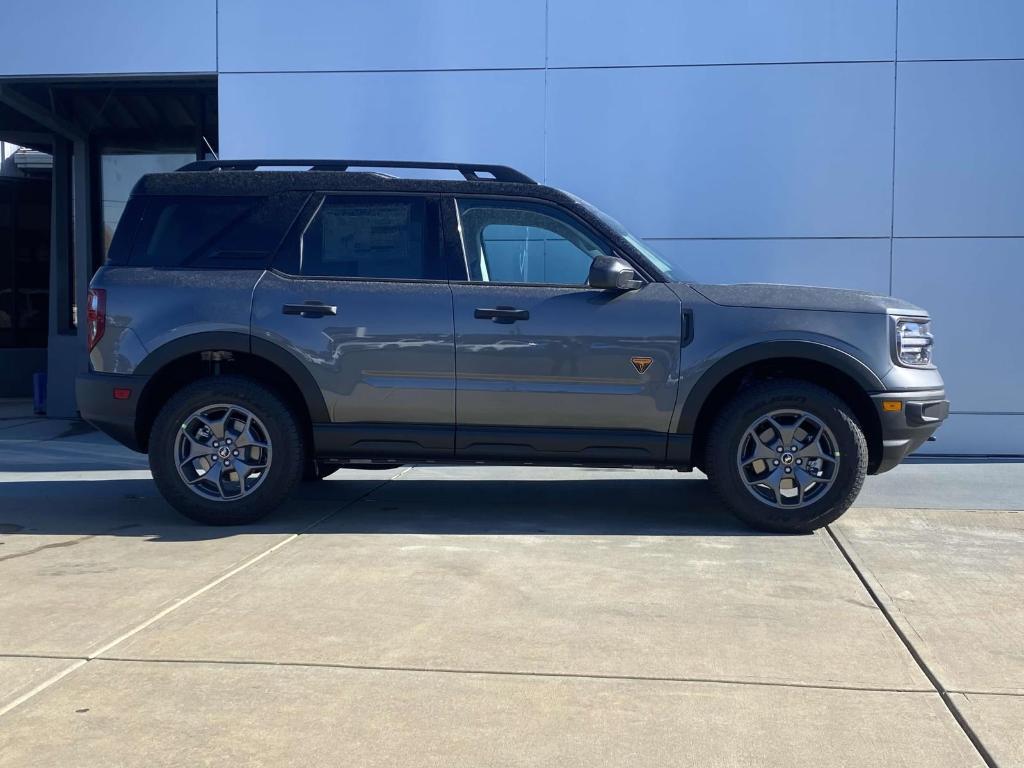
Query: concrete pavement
<point x="166" y="714"/>
<point x="485" y="616"/>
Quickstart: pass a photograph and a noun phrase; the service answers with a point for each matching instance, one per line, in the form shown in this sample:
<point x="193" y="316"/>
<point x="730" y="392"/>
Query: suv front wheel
<point x="225" y="451"/>
<point x="787" y="456"/>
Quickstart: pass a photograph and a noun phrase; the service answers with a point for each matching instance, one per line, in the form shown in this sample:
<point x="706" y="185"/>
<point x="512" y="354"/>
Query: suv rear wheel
<point x="225" y="451"/>
<point x="787" y="456"/>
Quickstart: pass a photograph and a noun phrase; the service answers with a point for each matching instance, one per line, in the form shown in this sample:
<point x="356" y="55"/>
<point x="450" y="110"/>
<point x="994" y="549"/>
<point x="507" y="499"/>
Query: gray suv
<point x="253" y="328"/>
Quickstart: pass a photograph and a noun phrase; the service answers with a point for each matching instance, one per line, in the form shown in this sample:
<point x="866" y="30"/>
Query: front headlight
<point x="914" y="342"/>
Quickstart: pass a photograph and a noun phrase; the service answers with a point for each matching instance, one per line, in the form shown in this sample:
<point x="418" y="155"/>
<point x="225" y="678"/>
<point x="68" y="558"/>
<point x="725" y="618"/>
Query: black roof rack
<point x="469" y="171"/>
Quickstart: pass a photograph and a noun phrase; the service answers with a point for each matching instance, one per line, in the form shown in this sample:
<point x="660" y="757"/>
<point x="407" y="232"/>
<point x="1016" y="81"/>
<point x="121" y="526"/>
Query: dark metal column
<point x="82" y="197"/>
<point x="65" y="353"/>
<point x="60" y="241"/>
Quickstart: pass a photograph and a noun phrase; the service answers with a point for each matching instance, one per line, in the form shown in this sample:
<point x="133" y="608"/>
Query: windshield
<point x="645" y="248"/>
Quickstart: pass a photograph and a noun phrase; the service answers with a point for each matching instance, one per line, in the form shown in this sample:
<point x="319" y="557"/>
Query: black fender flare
<point x="237" y="341"/>
<point x="771" y="350"/>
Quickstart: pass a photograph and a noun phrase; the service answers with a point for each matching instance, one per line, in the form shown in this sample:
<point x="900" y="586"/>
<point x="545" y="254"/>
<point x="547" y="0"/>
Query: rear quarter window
<point x="120" y="251"/>
<point x="201" y="232"/>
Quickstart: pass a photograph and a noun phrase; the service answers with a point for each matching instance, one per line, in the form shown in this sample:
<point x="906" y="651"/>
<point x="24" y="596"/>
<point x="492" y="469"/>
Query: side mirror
<point x="611" y="273"/>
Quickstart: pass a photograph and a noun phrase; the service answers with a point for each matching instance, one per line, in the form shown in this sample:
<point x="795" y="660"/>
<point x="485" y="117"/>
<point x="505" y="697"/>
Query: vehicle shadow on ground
<point x="616" y="507"/>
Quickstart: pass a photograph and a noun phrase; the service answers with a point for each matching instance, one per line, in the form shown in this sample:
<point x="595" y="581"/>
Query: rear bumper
<point x="112" y="416"/>
<point x="907" y="429"/>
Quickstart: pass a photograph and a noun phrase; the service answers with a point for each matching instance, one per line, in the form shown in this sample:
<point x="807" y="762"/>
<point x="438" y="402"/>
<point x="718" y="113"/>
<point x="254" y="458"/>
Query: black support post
<point x="60" y="239"/>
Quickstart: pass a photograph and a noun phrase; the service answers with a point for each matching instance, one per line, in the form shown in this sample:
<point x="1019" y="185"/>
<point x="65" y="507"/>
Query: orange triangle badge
<point x="641" y="363"/>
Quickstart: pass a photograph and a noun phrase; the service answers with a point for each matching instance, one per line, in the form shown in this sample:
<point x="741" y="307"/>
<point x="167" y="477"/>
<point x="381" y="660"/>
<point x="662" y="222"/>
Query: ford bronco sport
<point x="253" y="327"/>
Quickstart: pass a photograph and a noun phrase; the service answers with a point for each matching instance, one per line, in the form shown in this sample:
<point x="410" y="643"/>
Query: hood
<point x="771" y="296"/>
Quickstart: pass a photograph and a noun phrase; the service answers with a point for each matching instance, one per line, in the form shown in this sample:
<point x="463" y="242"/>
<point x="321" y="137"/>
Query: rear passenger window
<point x="373" y="238"/>
<point x="186" y="231"/>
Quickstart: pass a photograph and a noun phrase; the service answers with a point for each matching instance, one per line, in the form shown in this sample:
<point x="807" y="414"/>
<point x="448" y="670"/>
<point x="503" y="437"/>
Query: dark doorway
<point x="24" y="281"/>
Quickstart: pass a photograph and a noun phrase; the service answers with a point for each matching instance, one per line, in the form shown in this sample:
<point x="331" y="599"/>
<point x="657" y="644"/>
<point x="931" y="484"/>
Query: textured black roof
<point x="268" y="182"/>
<point x="469" y="171"/>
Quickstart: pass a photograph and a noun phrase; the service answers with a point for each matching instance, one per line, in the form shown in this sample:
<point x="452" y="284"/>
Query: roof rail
<point x="469" y="171"/>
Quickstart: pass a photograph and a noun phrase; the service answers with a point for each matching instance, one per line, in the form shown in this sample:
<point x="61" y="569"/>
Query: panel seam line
<point x="92" y="655"/>
<point x="840" y="542"/>
<point x="892" y="188"/>
<point x="522" y="673"/>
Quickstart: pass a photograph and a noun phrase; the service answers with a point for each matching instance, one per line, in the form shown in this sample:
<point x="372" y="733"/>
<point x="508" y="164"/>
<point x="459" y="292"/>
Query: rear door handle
<point x="501" y="314"/>
<point x="310" y="309"/>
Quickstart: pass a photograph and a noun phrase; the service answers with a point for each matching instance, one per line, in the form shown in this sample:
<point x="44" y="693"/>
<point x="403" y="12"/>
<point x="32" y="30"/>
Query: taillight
<point x="95" y="316"/>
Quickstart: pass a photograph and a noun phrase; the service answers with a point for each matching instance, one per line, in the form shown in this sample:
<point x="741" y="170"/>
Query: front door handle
<point x="309" y="309"/>
<point x="501" y="314"/>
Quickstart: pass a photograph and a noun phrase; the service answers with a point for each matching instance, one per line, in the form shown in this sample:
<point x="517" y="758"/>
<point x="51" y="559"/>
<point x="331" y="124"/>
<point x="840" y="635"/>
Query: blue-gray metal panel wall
<point x="584" y="33"/>
<point x="728" y="151"/>
<point x="973" y="288"/>
<point x="960" y="149"/>
<point x="108" y="37"/>
<point x="470" y="116"/>
<point x="961" y="29"/>
<point x="391" y="35"/>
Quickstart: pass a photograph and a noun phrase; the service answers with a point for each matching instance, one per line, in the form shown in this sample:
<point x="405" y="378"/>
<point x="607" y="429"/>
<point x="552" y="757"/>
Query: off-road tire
<point x="287" y="460"/>
<point x="729" y="428"/>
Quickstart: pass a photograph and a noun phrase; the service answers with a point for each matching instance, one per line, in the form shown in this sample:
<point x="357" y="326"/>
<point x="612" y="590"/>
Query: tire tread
<point x="287" y="463"/>
<point x="720" y="458"/>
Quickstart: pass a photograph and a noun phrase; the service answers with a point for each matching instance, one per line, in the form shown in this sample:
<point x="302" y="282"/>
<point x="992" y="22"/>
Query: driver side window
<point x="512" y="242"/>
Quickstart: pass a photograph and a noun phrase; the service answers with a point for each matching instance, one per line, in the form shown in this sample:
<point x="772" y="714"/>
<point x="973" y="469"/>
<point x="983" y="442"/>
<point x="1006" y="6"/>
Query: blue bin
<point x="39" y="393"/>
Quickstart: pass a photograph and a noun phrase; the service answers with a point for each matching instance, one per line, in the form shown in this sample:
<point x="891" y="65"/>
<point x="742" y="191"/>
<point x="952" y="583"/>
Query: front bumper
<point x="98" y="405"/>
<point x="907" y="429"/>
